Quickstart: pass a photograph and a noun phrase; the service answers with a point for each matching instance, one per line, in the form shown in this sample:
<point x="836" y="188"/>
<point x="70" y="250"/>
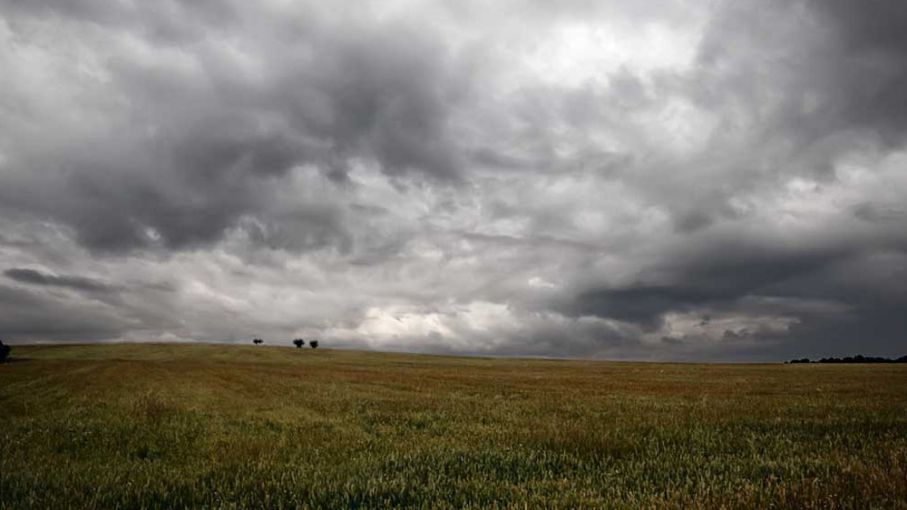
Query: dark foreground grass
<point x="171" y="426"/>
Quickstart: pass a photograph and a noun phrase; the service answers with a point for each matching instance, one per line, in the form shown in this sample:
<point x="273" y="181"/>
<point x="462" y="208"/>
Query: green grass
<point x="171" y="426"/>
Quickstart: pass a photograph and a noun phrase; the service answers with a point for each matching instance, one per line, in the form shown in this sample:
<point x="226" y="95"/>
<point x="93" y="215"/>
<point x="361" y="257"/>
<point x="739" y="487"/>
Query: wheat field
<point x="225" y="426"/>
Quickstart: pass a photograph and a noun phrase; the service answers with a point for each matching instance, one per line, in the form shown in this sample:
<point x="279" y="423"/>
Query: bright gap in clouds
<point x="583" y="53"/>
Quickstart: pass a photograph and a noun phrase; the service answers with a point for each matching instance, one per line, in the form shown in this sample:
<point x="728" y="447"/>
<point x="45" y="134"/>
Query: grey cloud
<point x="840" y="64"/>
<point x="871" y="212"/>
<point x="725" y="275"/>
<point x="35" y="277"/>
<point x="190" y="141"/>
<point x="873" y="67"/>
<point x="172" y="24"/>
<point x="28" y="316"/>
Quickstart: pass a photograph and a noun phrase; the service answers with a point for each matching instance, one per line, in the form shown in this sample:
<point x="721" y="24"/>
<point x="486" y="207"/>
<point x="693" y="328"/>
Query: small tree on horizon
<point x="298" y="343"/>
<point x="313" y="344"/>
<point x="257" y="341"/>
<point x="4" y="351"/>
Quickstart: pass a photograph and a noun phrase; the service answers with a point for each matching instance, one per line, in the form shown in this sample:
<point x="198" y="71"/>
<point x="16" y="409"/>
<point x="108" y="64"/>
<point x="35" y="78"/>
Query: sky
<point x="709" y="180"/>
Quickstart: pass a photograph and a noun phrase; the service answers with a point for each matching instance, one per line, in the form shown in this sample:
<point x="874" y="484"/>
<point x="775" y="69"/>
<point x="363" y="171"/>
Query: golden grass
<point x="171" y="426"/>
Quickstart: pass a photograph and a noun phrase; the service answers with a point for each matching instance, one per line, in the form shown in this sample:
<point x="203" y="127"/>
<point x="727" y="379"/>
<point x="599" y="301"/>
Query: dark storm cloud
<point x="660" y="180"/>
<point x="34" y="277"/>
<point x="840" y="296"/>
<point x="873" y="64"/>
<point x="716" y="275"/>
<point x="837" y="73"/>
<point x="702" y="279"/>
<point x="194" y="141"/>
<point x="850" y="62"/>
<point x="835" y="66"/>
<point x="32" y="316"/>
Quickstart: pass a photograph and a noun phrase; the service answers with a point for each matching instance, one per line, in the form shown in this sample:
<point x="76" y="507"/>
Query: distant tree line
<point x="298" y="342"/>
<point x="859" y="358"/>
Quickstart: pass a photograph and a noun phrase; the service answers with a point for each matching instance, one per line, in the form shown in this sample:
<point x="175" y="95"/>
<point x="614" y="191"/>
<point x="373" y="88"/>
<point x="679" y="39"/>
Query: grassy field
<point x="169" y="426"/>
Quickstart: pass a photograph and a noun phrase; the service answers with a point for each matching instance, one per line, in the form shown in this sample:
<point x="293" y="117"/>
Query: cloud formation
<point x="38" y="278"/>
<point x="674" y="180"/>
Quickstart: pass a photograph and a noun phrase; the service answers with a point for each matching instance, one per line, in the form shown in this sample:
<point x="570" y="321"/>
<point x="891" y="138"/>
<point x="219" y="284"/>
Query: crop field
<point x="218" y="426"/>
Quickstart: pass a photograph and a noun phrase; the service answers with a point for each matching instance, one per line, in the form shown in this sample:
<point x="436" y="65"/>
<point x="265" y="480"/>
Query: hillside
<point x="163" y="426"/>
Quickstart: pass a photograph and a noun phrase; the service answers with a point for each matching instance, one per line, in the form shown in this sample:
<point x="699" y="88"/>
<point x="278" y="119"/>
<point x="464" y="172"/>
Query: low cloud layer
<point x="675" y="180"/>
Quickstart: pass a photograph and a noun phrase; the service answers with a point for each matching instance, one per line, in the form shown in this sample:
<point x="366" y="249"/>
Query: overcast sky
<point x="702" y="180"/>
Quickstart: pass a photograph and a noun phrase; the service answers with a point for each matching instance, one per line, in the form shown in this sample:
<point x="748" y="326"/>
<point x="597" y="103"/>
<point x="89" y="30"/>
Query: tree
<point x="257" y="341"/>
<point x="313" y="344"/>
<point x="4" y="351"/>
<point x="299" y="343"/>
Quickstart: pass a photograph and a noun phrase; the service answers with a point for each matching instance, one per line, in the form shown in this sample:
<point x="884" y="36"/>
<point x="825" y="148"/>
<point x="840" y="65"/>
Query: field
<point x="170" y="426"/>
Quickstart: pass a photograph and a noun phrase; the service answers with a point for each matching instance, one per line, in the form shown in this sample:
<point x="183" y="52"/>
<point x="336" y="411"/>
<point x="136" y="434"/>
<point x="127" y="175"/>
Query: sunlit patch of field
<point x="171" y="426"/>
